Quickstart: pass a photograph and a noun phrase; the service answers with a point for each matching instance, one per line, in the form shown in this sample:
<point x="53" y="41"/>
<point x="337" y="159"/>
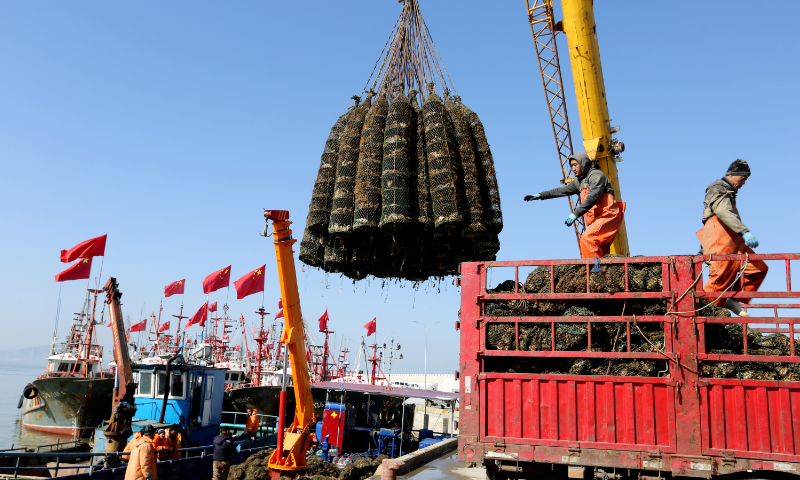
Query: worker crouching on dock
<point x="603" y="213"/>
<point x="723" y="233"/>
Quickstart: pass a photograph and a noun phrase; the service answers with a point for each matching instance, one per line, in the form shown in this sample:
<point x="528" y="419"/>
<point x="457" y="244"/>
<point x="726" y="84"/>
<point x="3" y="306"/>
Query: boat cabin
<point x="72" y="364"/>
<point x="194" y="401"/>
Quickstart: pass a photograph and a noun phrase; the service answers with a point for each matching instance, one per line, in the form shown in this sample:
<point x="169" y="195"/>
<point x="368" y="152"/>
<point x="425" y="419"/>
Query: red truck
<point x="522" y="425"/>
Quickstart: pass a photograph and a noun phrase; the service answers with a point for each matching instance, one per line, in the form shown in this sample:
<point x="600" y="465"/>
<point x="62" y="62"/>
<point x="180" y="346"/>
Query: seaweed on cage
<point x="343" y="205"/>
<point x="395" y="177"/>
<point x="468" y="169"/>
<point x="319" y="211"/>
<point x="420" y="183"/>
<point x="490" y="190"/>
<point x="368" y="174"/>
<point x="442" y="175"/>
<point x="312" y="250"/>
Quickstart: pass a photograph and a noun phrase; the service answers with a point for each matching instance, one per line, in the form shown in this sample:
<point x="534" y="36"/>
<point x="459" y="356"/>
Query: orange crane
<point x="289" y="457"/>
<point x="587" y="73"/>
<point x="122" y="405"/>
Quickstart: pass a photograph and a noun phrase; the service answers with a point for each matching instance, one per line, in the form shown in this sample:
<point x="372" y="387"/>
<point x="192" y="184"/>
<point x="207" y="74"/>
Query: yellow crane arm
<point x="587" y="74"/>
<point x="290" y="454"/>
<point x="590" y="90"/>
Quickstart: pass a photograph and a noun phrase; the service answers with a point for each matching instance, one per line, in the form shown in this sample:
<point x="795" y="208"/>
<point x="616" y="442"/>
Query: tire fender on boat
<point x="30" y="392"/>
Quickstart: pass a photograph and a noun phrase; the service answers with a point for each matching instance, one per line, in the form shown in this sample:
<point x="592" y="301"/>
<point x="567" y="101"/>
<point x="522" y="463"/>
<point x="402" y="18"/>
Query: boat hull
<point x="67" y="405"/>
<point x="266" y="400"/>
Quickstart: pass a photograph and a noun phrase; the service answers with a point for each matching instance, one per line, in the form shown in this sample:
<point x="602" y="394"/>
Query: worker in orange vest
<point x="723" y="233"/>
<point x="599" y="206"/>
<point x="142" y="464"/>
<point x="163" y="445"/>
<point x="126" y="452"/>
<point x="253" y="422"/>
<point x="174" y="434"/>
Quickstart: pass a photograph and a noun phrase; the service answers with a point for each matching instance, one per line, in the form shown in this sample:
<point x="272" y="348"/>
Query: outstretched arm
<point x="571" y="188"/>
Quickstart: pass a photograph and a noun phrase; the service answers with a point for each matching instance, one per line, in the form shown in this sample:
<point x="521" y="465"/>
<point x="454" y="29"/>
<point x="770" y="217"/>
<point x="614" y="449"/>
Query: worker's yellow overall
<point x="602" y="223"/>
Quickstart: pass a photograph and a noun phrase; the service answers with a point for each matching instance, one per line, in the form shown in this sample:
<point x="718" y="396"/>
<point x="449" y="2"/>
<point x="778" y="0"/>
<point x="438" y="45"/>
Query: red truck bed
<point x="681" y="423"/>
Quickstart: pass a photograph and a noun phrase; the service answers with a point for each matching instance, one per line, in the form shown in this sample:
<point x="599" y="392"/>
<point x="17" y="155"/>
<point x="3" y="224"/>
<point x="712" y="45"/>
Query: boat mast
<point x="178" y="331"/>
<point x="260" y="340"/>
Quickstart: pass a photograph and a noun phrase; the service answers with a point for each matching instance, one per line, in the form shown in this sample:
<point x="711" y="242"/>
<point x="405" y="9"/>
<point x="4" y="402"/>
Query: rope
<point x="410" y="57"/>
<point x="635" y="324"/>
<point x="741" y="272"/>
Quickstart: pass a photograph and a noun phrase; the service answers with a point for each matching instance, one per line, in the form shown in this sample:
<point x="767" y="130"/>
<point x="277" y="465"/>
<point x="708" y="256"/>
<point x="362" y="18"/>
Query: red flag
<point x="251" y="283"/>
<point x="280" y="302"/>
<point x="96" y="247"/>
<point x="323" y="321"/>
<point x="213" y="307"/>
<point x="279" y="315"/>
<point x="174" y="288"/>
<point x="219" y="279"/>
<point x="139" y="327"/>
<point x="199" y="317"/>
<point x="371" y="326"/>
<point x="79" y="270"/>
<point x="163" y="328"/>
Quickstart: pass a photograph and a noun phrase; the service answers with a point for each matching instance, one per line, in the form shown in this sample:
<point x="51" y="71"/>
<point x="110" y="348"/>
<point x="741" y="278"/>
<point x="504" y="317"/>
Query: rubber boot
<point x="734" y="307"/>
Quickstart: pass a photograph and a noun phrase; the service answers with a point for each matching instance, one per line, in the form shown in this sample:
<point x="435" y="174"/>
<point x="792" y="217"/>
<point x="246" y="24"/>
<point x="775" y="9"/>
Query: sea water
<point x="13" y="378"/>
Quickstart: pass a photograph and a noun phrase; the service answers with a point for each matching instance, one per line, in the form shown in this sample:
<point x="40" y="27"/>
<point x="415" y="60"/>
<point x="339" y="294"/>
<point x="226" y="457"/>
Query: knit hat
<point x="739" y="167"/>
<point x="148" y="430"/>
<point x="161" y="430"/>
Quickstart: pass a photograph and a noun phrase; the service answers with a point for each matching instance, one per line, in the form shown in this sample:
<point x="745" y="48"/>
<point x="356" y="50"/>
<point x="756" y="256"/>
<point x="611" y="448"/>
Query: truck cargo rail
<point x="680" y="389"/>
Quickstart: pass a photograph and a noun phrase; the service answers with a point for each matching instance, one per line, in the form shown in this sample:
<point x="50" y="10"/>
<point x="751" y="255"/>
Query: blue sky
<point x="170" y="125"/>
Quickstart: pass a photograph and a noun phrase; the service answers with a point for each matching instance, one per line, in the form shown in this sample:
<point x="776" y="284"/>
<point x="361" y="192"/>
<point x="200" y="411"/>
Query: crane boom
<point x="122" y="404"/>
<point x="540" y="17"/>
<point x="289" y="457"/>
<point x="587" y="74"/>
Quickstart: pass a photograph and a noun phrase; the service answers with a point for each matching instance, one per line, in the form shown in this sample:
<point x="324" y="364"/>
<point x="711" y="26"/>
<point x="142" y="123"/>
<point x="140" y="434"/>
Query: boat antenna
<point x="55" y="329"/>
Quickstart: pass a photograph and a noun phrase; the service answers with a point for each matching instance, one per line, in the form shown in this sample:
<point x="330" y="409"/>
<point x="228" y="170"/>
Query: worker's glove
<point x="750" y="240"/>
<point x="528" y="198"/>
<point x="570" y="220"/>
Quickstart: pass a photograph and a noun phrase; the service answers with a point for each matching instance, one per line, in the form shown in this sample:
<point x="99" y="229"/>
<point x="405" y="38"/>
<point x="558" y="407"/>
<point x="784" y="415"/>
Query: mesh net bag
<point x="395" y="188"/>
<point x="336" y="255"/>
<point x="421" y="209"/>
<point x="319" y="212"/>
<point x="312" y="251"/>
<point x="494" y="219"/>
<point x="343" y="205"/>
<point x="442" y="175"/>
<point x="500" y="336"/>
<point x="368" y="175"/>
<point x="473" y="200"/>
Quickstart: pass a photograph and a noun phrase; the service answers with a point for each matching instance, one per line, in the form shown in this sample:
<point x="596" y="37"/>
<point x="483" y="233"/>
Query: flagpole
<point x="101" y="268"/>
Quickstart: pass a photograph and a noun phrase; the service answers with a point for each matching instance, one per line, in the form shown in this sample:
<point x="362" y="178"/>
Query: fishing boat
<point x="74" y="393"/>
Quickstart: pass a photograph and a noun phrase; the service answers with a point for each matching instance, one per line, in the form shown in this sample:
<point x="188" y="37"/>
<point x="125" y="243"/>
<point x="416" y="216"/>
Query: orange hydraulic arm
<point x="289" y="458"/>
<point x="122" y="405"/>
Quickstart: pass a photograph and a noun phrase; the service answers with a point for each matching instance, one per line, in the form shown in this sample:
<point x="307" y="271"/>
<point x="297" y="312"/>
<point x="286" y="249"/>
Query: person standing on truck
<point x="142" y="464"/>
<point x="723" y="233"/>
<point x="603" y="213"/>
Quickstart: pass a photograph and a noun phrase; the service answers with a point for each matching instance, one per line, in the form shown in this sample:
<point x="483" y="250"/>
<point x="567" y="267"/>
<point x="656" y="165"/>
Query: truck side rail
<point x="684" y="420"/>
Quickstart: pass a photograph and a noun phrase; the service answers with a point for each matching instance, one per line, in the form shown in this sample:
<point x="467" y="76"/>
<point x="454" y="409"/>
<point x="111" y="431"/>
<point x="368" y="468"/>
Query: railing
<point x="270" y="424"/>
<point x="110" y="459"/>
<point x="791" y="322"/>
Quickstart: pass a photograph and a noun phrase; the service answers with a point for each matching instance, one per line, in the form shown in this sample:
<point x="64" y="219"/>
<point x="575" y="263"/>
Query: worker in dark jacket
<point x="723" y="233"/>
<point x="223" y="450"/>
<point x="603" y="213"/>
